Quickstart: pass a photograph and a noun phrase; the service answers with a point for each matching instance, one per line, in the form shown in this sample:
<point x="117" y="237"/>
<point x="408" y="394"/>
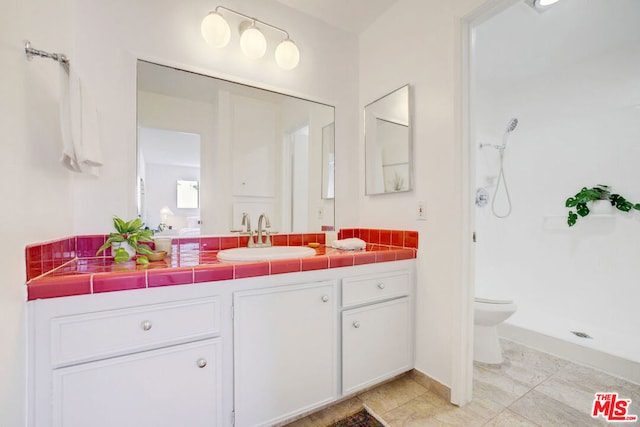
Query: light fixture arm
<point x="252" y="19"/>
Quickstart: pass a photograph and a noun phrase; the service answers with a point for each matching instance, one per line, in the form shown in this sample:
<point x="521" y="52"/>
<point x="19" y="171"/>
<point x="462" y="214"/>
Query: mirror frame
<point x="368" y="115"/>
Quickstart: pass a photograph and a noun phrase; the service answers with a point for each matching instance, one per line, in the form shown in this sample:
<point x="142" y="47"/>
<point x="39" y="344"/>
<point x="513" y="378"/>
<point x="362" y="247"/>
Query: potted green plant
<point x="591" y="195"/>
<point x="127" y="239"/>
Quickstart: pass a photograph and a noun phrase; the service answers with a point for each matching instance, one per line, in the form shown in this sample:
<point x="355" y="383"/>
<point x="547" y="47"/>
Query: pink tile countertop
<point x="69" y="266"/>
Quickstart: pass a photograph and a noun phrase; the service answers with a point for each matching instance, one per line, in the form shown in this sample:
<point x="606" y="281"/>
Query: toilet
<point x="488" y="314"/>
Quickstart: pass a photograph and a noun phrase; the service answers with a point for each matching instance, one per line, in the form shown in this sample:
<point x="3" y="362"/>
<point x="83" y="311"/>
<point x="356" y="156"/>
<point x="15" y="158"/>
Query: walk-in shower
<point x="577" y="125"/>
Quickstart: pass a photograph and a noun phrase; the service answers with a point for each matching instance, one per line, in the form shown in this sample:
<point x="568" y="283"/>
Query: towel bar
<point x="31" y="52"/>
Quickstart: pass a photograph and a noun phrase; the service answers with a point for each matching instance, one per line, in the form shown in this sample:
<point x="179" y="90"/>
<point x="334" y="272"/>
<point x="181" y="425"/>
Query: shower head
<point x="513" y="123"/>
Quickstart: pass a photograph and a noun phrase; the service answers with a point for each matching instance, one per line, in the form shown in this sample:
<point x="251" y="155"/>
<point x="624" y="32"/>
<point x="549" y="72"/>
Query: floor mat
<point x="359" y="419"/>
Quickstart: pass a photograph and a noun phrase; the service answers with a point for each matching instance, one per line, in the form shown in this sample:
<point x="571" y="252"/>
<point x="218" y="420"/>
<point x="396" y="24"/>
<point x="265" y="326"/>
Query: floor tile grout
<point x="519" y="392"/>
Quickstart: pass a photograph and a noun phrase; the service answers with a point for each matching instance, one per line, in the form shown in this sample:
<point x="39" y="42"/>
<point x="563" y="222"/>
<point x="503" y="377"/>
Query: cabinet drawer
<point x="378" y="287"/>
<point x="92" y="336"/>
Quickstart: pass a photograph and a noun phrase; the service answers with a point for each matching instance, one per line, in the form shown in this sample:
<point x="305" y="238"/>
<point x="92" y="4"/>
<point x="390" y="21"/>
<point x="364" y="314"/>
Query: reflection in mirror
<point x="187" y="194"/>
<point x="250" y="150"/>
<point x="388" y="153"/>
<point x="167" y="157"/>
<point x="328" y="161"/>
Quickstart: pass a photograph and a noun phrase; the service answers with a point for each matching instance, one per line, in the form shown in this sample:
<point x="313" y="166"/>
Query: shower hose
<point x="501" y="178"/>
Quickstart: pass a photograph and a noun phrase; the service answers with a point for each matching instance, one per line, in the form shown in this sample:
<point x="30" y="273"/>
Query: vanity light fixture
<point x="216" y="32"/>
<point x="541" y="5"/>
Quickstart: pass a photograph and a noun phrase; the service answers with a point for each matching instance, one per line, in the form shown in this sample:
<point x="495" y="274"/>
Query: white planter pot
<point x="601" y="207"/>
<point x="125" y="246"/>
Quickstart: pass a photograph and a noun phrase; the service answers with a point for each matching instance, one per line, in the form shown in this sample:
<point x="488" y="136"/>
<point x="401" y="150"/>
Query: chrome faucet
<point x="246" y="220"/>
<point x="267" y="241"/>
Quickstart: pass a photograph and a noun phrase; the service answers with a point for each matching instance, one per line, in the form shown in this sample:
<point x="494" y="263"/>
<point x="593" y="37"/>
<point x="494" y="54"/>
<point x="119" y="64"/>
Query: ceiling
<point x="350" y="15"/>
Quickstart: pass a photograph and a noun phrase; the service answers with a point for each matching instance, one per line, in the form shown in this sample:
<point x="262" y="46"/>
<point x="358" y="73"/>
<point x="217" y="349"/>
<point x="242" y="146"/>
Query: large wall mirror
<point x="210" y="149"/>
<point x="388" y="150"/>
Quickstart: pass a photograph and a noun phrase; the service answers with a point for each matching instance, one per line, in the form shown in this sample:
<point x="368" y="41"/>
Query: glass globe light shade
<point x="215" y="30"/>
<point x="287" y="55"/>
<point x="253" y="43"/>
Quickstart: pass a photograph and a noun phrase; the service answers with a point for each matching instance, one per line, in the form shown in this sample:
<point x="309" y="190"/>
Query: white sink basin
<point x="265" y="254"/>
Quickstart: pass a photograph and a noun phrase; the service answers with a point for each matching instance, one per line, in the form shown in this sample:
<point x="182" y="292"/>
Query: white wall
<point x="418" y="42"/>
<point x="579" y="125"/>
<point x="35" y="189"/>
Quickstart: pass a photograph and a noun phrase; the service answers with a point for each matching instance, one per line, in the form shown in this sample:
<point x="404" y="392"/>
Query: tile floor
<point x="530" y="388"/>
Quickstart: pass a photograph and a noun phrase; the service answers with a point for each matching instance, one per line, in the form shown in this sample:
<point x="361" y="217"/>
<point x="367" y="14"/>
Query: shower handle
<point x="482" y="197"/>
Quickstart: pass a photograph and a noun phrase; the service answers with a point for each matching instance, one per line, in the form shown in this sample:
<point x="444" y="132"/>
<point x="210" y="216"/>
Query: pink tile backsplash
<point x="69" y="266"/>
<point x="400" y="238"/>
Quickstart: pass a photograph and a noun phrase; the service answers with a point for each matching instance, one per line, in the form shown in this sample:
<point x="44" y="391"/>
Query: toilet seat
<point x="493" y="301"/>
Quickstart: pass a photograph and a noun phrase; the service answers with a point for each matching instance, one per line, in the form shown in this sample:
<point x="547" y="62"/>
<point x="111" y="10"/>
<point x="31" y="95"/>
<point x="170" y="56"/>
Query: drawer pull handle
<point x="325" y="298"/>
<point x="356" y="324"/>
<point x="381" y="286"/>
<point x="146" y="325"/>
<point x="202" y="363"/>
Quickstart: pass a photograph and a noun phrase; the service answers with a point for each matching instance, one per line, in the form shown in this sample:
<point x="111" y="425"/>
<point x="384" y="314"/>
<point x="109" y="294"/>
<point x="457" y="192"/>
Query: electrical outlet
<point x="421" y="211"/>
<point x="320" y="213"/>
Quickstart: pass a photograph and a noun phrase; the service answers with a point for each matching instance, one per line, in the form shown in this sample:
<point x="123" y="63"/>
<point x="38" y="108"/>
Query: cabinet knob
<point x="146" y="325"/>
<point x="381" y="286"/>
<point x="202" y="363"/>
<point x="325" y="298"/>
<point x="356" y="324"/>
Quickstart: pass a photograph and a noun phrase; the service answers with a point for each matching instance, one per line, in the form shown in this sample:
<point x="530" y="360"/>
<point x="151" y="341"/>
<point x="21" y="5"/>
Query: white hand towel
<point x="68" y="158"/>
<point x="90" y="153"/>
<point x="349" y="244"/>
<point x="79" y="124"/>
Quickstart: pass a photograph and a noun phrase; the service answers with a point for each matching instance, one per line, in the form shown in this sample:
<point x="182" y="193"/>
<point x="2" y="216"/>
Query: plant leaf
<point x="571" y="220"/>
<point x="144" y="249"/>
<point x="142" y="260"/>
<point x="103" y="247"/>
<point x="571" y="202"/>
<point x="119" y="225"/>
<point x="121" y="255"/>
<point x="582" y="209"/>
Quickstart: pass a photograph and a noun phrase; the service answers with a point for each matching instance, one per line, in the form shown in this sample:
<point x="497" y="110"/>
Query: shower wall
<point x="571" y="75"/>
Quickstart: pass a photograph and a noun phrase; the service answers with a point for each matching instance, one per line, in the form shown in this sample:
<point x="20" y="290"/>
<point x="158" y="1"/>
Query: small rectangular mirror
<point x="388" y="150"/>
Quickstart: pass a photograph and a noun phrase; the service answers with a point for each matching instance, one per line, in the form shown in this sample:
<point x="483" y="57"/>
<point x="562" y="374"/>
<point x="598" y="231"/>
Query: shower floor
<point x="606" y="350"/>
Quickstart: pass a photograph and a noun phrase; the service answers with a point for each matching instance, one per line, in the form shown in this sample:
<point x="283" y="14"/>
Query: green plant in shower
<point x="132" y="232"/>
<point x="588" y="195"/>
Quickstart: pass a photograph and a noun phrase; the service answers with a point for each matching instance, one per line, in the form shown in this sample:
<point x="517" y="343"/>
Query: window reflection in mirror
<point x="258" y="152"/>
<point x="388" y="151"/>
<point x="167" y="157"/>
<point x="187" y="194"/>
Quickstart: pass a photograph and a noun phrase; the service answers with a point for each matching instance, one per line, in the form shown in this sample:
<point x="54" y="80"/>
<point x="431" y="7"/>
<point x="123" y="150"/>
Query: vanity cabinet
<point x="285" y="354"/>
<point x="377" y="329"/>
<point x="98" y="364"/>
<point x="246" y="352"/>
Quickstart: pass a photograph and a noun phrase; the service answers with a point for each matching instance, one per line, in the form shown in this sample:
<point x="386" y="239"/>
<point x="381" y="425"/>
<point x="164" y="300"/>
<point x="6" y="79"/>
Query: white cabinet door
<point x="376" y="343"/>
<point x="174" y="386"/>
<point x="285" y="353"/>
